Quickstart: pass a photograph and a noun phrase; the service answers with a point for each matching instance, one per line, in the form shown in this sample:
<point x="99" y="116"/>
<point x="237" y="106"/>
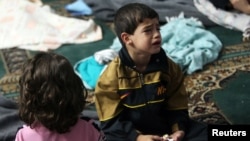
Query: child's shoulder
<point x="90" y="122"/>
<point x="97" y="132"/>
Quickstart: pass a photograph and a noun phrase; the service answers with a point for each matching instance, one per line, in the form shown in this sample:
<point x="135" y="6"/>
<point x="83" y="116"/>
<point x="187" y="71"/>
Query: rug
<point x="233" y="99"/>
<point x="204" y="84"/>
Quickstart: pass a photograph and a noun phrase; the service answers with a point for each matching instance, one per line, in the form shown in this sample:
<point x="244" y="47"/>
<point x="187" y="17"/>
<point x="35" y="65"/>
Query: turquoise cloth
<point x="89" y="70"/>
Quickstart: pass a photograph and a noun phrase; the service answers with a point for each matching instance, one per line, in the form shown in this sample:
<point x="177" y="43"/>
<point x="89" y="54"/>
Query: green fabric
<point x="226" y="36"/>
<point x="234" y="98"/>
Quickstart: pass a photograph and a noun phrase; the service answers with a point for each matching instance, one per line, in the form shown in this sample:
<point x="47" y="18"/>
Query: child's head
<point x="50" y="92"/>
<point x="128" y="17"/>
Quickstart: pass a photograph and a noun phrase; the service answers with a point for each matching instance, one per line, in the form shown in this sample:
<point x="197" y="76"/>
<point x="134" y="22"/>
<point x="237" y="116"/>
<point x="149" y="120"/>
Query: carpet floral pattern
<point x="200" y="84"/>
<point x="12" y="59"/>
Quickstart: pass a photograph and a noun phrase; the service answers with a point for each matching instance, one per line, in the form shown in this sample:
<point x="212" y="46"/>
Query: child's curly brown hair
<point x="51" y="93"/>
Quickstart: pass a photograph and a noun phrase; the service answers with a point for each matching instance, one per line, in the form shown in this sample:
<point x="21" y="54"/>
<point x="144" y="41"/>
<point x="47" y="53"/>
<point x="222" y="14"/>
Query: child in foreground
<point x="140" y="96"/>
<point x="52" y="98"/>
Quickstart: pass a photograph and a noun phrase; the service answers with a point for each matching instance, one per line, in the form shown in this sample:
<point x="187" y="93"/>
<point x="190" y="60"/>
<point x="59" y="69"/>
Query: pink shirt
<point x="82" y="131"/>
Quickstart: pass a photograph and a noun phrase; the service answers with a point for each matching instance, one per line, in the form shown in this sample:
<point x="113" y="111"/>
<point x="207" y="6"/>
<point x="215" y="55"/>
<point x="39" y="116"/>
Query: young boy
<point x="140" y="95"/>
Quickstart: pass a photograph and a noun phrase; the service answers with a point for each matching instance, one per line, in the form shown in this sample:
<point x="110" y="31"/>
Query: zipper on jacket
<point x="141" y="78"/>
<point x="143" y="92"/>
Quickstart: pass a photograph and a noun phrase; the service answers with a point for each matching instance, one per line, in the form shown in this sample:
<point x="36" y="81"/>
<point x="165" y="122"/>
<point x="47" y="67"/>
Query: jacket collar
<point x="158" y="62"/>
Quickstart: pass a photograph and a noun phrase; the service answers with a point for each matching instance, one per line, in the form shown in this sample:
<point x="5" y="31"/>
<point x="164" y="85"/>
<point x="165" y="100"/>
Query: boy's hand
<point x="166" y="137"/>
<point x="176" y="136"/>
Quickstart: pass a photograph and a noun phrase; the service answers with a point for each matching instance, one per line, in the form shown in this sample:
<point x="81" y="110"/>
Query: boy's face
<point x="147" y="38"/>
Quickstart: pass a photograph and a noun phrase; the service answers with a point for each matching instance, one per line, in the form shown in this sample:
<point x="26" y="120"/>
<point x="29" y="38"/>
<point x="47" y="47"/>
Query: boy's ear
<point x="126" y="38"/>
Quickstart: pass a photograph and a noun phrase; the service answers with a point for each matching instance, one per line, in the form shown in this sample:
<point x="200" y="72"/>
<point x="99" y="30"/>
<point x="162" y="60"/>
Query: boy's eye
<point x="147" y="30"/>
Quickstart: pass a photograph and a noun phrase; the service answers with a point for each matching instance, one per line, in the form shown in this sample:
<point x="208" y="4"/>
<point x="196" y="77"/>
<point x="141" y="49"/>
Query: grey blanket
<point x="9" y="120"/>
<point x="105" y="9"/>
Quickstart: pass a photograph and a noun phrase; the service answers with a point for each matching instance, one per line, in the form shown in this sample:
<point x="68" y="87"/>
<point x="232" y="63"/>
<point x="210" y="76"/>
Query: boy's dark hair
<point x="50" y="93"/>
<point x="128" y="17"/>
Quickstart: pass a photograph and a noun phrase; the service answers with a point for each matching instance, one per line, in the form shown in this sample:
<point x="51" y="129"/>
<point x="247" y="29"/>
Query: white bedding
<point x="33" y="27"/>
